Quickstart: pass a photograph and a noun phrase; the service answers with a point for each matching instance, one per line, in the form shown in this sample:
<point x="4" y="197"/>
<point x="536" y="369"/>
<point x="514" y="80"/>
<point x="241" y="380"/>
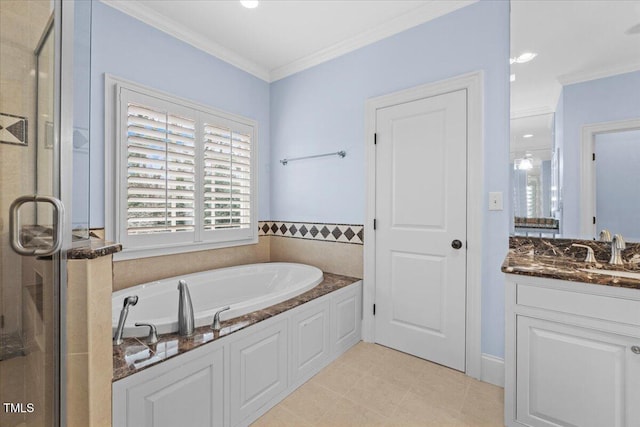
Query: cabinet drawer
<point x="581" y="304"/>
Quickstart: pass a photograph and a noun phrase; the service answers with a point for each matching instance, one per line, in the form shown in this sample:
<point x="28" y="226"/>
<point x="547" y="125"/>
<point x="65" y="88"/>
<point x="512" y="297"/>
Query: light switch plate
<point x="495" y="201"/>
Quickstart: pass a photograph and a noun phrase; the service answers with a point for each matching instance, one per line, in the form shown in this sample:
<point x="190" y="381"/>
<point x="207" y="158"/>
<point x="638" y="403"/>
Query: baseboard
<point x="492" y="370"/>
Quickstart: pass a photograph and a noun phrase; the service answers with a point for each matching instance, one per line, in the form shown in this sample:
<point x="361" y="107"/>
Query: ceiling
<point x="575" y="41"/>
<point x="280" y="38"/>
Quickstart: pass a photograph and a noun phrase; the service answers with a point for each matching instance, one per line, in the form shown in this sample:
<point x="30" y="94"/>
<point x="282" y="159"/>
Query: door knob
<point x="635" y="349"/>
<point x="456" y="244"/>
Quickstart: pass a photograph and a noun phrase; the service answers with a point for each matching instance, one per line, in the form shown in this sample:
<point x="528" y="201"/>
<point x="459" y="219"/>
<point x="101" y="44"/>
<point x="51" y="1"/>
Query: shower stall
<point x="44" y="139"/>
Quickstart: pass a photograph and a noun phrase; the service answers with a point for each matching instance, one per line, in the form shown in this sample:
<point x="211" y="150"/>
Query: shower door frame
<point x="63" y="185"/>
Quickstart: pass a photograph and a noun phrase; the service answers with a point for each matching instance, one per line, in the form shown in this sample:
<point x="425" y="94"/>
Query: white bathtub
<point x="245" y="288"/>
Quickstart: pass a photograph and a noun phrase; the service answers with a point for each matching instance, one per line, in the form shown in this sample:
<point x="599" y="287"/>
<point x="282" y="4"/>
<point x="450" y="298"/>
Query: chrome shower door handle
<point x="14" y="229"/>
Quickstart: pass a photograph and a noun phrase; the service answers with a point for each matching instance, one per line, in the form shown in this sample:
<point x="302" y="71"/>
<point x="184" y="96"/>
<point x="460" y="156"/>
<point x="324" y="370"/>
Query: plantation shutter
<point x="227" y="178"/>
<point x="160" y="171"/>
<point x="185" y="175"/>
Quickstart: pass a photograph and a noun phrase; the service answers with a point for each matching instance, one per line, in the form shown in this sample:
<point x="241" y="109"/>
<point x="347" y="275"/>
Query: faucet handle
<point x="590" y="255"/>
<point x="619" y="242"/>
<point x="605" y="235"/>
<point x="216" y="318"/>
<point x="152" y="338"/>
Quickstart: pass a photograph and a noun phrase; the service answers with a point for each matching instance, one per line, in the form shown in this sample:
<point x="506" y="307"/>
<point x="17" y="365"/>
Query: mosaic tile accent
<point x="13" y="129"/>
<point x="343" y="233"/>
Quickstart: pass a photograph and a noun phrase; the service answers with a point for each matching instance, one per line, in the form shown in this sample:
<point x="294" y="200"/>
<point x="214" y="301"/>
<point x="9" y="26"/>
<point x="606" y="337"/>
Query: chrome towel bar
<point x="340" y="153"/>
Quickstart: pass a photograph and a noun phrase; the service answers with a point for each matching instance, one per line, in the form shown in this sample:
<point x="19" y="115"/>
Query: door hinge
<point x="1" y="321"/>
<point x="593" y="156"/>
<point x="594" y="220"/>
<point x="374" y="224"/>
<point x="374" y="309"/>
<point x="375" y="138"/>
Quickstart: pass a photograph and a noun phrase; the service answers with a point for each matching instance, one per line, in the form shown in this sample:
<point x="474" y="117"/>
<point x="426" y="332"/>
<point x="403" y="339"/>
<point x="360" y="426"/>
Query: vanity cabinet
<point x="571" y="354"/>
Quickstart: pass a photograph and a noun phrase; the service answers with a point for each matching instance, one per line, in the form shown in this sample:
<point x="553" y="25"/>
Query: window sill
<point x="137" y="253"/>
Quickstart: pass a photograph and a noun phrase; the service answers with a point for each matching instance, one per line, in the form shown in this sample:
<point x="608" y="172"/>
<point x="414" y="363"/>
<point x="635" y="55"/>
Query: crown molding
<point x="535" y="111"/>
<point x="408" y="20"/>
<point x="403" y="22"/>
<point x="185" y="34"/>
<point x="573" y="78"/>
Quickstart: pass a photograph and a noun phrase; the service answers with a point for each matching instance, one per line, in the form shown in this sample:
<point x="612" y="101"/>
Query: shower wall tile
<point x="88" y="322"/>
<point x="328" y="256"/>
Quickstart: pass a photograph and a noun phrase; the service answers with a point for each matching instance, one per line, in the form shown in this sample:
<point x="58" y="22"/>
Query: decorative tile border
<point x="343" y="233"/>
<point x="13" y="129"/>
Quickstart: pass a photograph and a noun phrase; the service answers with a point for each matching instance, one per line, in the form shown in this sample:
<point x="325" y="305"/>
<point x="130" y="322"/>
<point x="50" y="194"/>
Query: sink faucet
<point x="605" y="235"/>
<point x="128" y="302"/>
<point x="185" y="311"/>
<point x="617" y="246"/>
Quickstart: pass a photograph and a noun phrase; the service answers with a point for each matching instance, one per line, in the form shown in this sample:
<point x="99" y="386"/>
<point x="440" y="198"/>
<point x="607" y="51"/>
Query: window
<point x="185" y="174"/>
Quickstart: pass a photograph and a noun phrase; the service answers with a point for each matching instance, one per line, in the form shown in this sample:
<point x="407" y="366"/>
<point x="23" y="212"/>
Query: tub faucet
<point x="216" y="318"/>
<point x="617" y="246"/>
<point x="605" y="235"/>
<point x="128" y="301"/>
<point x="186" y="323"/>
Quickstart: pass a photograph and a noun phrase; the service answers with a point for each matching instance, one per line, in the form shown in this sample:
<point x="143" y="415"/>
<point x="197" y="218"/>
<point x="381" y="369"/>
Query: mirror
<point x="575" y="69"/>
<point x="534" y="175"/>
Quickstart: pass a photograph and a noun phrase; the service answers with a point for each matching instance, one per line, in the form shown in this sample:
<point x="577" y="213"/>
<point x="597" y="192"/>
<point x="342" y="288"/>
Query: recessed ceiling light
<point x="529" y="135"/>
<point x="524" y="164"/>
<point x="512" y="78"/>
<point x="525" y="57"/>
<point x="249" y="4"/>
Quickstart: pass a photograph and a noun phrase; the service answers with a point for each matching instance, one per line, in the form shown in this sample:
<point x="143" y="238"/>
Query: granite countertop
<point x="133" y="355"/>
<point x="85" y="244"/>
<point x="558" y="259"/>
<point x="92" y="248"/>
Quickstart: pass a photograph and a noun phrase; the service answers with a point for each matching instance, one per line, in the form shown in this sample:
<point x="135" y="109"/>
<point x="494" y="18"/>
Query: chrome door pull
<point x="14" y="231"/>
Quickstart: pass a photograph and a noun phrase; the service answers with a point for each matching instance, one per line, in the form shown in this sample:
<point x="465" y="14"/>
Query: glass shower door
<point x="29" y="183"/>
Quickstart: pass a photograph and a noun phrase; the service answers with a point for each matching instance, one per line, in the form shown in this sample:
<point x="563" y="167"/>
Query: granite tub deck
<point x="133" y="355"/>
<point x="558" y="259"/>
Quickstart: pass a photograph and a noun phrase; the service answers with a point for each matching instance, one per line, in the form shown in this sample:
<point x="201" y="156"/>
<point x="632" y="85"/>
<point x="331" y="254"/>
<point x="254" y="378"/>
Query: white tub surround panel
<point x="235" y="379"/>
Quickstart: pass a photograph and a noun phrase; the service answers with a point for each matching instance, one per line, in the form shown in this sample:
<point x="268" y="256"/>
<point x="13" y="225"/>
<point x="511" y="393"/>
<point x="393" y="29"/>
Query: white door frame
<point x="588" y="169"/>
<point x="472" y="82"/>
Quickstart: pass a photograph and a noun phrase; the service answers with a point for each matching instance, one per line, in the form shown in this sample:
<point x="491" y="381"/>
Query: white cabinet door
<point x="192" y="391"/>
<point x="347" y="319"/>
<point x="258" y="364"/>
<point x="310" y="344"/>
<point x="572" y="376"/>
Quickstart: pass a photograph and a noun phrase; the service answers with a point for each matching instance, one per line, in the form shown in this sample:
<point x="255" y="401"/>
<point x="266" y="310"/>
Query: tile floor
<point x="372" y="385"/>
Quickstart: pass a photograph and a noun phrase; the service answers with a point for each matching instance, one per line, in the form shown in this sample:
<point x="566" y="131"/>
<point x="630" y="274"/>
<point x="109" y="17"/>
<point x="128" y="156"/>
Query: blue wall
<point x="322" y="110"/>
<point x="602" y="100"/>
<point x="130" y="49"/>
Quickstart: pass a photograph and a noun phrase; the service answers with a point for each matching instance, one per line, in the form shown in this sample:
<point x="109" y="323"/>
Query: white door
<point x="421" y="193"/>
